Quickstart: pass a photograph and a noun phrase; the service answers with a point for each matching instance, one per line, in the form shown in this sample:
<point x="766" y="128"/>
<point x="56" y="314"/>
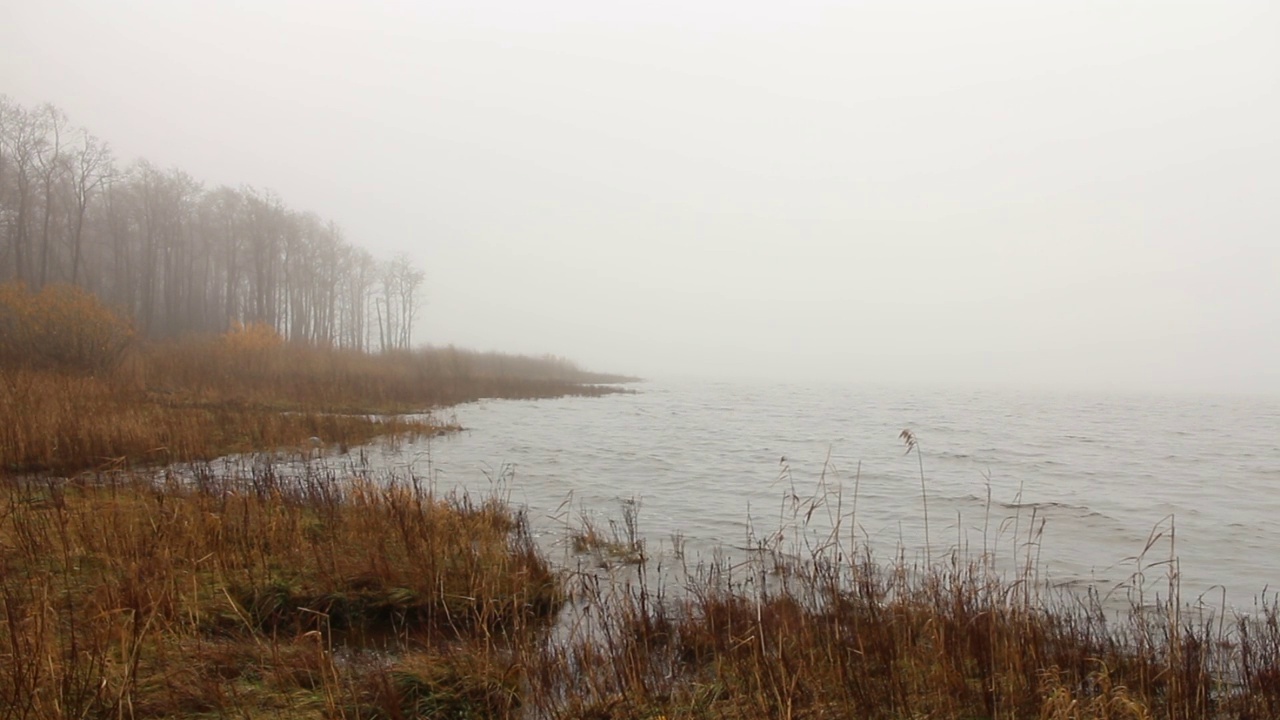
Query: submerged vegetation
<point x="840" y="636"/>
<point x="622" y="543"/>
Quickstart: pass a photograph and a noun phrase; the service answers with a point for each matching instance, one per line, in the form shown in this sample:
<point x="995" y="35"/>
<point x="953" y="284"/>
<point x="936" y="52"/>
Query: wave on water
<point x="704" y="460"/>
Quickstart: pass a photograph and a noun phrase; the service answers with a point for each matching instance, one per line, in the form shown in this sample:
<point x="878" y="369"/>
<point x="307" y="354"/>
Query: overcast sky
<point x="1084" y="194"/>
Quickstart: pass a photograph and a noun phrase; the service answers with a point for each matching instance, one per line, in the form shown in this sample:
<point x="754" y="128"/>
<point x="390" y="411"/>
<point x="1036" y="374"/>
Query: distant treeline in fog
<point x="179" y="257"/>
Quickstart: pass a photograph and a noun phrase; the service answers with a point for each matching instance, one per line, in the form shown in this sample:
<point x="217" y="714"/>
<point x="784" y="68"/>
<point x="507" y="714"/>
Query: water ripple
<point x="704" y="458"/>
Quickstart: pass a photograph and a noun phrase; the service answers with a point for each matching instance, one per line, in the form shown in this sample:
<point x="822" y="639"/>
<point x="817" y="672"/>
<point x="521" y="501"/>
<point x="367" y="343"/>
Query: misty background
<point x="1065" y="194"/>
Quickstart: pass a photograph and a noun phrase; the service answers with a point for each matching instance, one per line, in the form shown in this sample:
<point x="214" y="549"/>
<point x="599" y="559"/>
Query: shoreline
<point x="337" y="592"/>
<point x="204" y="398"/>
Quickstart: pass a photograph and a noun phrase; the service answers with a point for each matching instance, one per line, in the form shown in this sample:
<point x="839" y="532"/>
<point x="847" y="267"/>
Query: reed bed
<point x="882" y="641"/>
<point x="63" y="422"/>
<point x="340" y="380"/>
<point x="79" y="390"/>
<point x="823" y="629"/>
<point x="205" y="397"/>
<point x="201" y="398"/>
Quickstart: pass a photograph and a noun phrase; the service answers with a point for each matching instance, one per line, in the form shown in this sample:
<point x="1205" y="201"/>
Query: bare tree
<point x="408" y="281"/>
<point x="180" y="258"/>
<point x="400" y="284"/>
<point x="7" y="112"/>
<point x="91" y="165"/>
<point x="51" y="166"/>
<point x="22" y="143"/>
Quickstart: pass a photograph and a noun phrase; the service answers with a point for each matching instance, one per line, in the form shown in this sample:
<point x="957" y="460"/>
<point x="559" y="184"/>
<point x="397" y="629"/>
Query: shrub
<point x="61" y="326"/>
<point x="254" y="337"/>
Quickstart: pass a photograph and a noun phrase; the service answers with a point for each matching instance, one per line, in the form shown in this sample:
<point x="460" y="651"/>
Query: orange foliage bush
<point x="61" y="326"/>
<point x="255" y="336"/>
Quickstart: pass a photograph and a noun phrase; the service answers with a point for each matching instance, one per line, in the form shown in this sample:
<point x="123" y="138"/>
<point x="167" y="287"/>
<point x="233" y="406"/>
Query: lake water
<point x="706" y="460"/>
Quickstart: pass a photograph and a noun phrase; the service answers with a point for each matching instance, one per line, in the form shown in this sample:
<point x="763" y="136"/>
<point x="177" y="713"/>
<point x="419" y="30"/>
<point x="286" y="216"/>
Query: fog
<point x="1066" y="194"/>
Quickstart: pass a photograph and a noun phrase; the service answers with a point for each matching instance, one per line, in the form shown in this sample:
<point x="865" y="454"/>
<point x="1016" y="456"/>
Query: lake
<point x="713" y="464"/>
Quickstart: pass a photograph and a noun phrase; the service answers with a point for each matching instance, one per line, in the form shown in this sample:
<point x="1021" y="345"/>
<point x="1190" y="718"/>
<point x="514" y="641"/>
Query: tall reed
<point x="840" y="633"/>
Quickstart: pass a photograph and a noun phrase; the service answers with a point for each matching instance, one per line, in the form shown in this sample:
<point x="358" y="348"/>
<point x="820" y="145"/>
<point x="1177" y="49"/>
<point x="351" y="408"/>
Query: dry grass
<point x="77" y="391"/>
<point x="315" y="596"/>
<point x="67" y="421"/>
<point x="840" y="636"/>
<point x="261" y="597"/>
<point x="198" y="399"/>
<point x="322" y="596"/>
<point x="621" y="544"/>
<point x="334" y="380"/>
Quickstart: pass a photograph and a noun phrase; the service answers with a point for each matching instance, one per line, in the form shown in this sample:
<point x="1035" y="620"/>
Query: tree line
<point x="178" y="257"/>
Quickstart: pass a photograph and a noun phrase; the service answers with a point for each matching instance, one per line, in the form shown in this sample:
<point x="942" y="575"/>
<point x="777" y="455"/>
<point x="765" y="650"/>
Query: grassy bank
<point x="79" y="391"/>
<point x="250" y="598"/>
<point x="63" y="422"/>
<point x="202" y="398"/>
<point x="321" y="596"/>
